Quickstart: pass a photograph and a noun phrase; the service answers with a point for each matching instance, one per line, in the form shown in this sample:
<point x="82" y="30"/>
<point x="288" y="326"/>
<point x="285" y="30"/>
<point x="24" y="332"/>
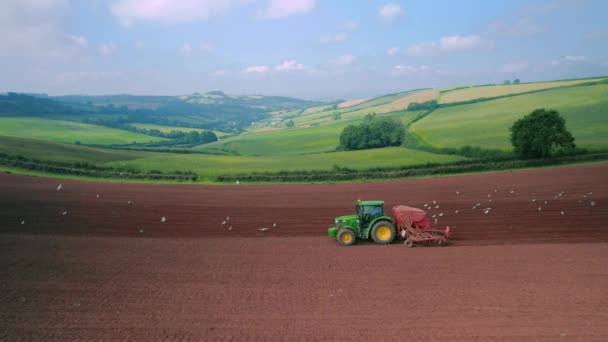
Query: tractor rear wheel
<point x="383" y="232"/>
<point x="345" y="237"/>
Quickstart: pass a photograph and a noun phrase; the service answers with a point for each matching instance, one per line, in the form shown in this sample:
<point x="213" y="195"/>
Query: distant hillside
<point x="214" y="110"/>
<point x="265" y="103"/>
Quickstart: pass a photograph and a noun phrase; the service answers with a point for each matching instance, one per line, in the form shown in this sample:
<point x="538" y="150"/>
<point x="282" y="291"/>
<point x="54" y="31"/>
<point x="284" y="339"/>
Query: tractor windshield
<point x="372" y="210"/>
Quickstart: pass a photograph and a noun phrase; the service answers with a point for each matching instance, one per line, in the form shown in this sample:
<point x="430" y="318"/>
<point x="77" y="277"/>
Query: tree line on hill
<point x="191" y="138"/>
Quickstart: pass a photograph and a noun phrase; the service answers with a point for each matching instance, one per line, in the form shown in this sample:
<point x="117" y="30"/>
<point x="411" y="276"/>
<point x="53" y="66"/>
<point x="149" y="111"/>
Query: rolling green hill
<point x="470" y="93"/>
<point x="268" y="145"/>
<point x="298" y="140"/>
<point x="487" y="124"/>
<point x="68" y="132"/>
<point x="209" y="166"/>
<point x="37" y="149"/>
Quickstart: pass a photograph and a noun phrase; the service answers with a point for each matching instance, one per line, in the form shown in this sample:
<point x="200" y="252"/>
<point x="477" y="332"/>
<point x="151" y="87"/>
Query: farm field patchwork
<point x="378" y="106"/>
<point x="305" y="140"/>
<point x="68" y="132"/>
<point x="471" y="93"/>
<point x="486" y="124"/>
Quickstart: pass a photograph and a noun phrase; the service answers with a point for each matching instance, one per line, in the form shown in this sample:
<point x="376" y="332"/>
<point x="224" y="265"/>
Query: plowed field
<point x="95" y="261"/>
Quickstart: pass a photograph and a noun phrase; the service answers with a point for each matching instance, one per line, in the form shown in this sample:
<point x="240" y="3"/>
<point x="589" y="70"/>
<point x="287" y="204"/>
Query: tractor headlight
<point x="337" y="221"/>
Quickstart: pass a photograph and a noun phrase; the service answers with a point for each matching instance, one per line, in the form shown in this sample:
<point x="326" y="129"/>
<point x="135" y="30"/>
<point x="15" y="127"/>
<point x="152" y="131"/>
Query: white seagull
<point x="59" y="187"/>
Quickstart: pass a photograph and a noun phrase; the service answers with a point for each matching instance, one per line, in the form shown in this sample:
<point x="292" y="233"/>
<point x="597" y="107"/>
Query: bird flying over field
<point x="59" y="187"/>
<point x="163" y="219"/>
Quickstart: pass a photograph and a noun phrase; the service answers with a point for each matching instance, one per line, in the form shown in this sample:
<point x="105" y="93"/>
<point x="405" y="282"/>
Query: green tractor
<point x="368" y="221"/>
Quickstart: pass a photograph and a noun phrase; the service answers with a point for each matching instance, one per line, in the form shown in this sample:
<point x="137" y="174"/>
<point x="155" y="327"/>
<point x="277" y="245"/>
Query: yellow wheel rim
<point x="383" y="233"/>
<point x="346" y="238"/>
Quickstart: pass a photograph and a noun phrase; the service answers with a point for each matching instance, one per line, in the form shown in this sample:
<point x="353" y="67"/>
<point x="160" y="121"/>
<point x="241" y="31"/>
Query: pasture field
<point x="44" y="150"/>
<point x="209" y="166"/>
<point x="168" y="129"/>
<point x="68" y="131"/>
<point x="486" y="124"/>
<point x="316" y="139"/>
<point x="397" y="103"/>
<point x="352" y="103"/>
<point x="471" y="93"/>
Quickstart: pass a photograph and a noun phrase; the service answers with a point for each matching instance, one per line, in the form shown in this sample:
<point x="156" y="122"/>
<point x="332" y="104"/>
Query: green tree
<point x="369" y="117"/>
<point x="516" y="81"/>
<point x="540" y="133"/>
<point x="290" y="124"/>
<point x="372" y="133"/>
<point x="506" y="82"/>
<point x="207" y="137"/>
<point x="336" y="116"/>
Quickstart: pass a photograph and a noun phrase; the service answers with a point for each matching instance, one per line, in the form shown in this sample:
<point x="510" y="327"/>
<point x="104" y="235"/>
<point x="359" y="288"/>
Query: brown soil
<point x="111" y="270"/>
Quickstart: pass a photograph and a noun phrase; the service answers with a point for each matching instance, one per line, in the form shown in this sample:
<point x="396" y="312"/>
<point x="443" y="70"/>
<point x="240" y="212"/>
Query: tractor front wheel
<point x="345" y="237"/>
<point x="383" y="232"/>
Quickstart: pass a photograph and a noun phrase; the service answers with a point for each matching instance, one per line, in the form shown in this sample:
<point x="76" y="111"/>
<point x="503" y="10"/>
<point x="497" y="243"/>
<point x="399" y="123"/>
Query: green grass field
<point x="317" y="139"/>
<point x="38" y="149"/>
<point x="472" y="93"/>
<point x="68" y="132"/>
<point x="208" y="166"/>
<point x="486" y="124"/>
<point x="168" y="129"/>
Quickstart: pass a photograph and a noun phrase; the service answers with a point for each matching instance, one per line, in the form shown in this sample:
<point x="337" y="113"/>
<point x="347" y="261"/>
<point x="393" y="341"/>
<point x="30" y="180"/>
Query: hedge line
<point x="345" y="174"/>
<point x="91" y="170"/>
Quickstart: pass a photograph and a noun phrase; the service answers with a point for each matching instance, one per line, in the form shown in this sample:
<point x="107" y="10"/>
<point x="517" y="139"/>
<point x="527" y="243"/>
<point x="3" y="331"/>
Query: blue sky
<point x="302" y="48"/>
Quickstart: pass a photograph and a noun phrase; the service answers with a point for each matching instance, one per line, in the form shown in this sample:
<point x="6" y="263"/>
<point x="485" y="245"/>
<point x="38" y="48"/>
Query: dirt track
<point x="108" y="269"/>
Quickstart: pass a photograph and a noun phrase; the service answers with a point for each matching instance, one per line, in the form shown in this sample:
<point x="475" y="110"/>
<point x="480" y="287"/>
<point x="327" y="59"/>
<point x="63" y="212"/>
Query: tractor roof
<point x="371" y="202"/>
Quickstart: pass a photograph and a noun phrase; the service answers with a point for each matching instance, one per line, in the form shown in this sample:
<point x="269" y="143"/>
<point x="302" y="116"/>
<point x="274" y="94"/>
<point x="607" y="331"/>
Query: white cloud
<point x="289" y="65"/>
<point x="409" y="69"/>
<point x="107" y="49"/>
<point x="449" y="44"/>
<point x="185" y="50"/>
<point x="389" y="12"/>
<point x="333" y="38"/>
<point x="392" y="51"/>
<point x="515" y="67"/>
<point x="566" y="59"/>
<point x="573" y="58"/>
<point x="285" y="8"/>
<point x="129" y="12"/>
<point x="256" y="69"/>
<point x="33" y="28"/>
<point x="344" y="60"/>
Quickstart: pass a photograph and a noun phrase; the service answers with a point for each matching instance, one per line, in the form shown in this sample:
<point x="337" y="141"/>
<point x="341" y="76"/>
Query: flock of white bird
<point x="430" y="207"/>
<point x="226" y="222"/>
<point x="487" y="209"/>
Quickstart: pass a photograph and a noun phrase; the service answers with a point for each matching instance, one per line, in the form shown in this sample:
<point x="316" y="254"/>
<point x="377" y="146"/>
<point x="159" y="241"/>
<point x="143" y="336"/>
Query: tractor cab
<point x="367" y="211"/>
<point x="368" y="221"/>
